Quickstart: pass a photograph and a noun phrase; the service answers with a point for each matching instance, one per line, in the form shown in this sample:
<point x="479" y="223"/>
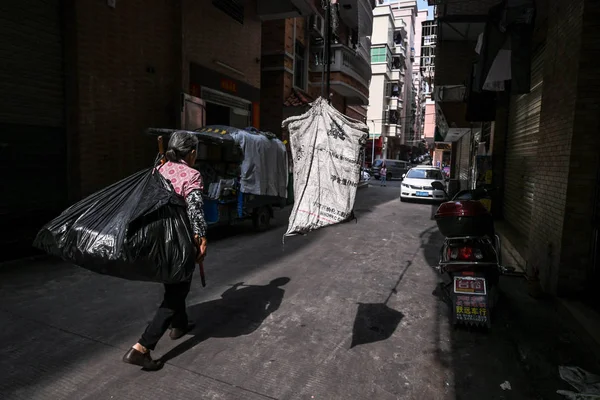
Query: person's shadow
<point x="238" y="312"/>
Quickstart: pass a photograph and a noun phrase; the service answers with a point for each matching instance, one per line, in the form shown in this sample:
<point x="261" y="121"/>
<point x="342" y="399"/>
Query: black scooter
<point x="470" y="261"/>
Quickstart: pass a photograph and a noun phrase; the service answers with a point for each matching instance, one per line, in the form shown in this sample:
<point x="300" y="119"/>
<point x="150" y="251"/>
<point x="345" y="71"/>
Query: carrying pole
<point x="161" y="150"/>
<point x="328" y="51"/>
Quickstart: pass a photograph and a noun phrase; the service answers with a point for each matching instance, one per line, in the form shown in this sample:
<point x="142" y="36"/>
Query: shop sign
<point x="228" y="85"/>
<point x="471" y="308"/>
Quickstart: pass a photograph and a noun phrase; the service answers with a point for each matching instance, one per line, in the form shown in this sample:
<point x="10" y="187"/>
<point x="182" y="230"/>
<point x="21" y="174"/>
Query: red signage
<point x="229" y="85"/>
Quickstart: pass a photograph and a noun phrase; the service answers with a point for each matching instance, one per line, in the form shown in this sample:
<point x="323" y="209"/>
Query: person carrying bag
<point x="187" y="182"/>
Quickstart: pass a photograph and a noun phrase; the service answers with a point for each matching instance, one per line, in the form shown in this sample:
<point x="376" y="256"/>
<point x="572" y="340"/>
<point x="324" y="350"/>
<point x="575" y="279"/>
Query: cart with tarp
<point x="245" y="173"/>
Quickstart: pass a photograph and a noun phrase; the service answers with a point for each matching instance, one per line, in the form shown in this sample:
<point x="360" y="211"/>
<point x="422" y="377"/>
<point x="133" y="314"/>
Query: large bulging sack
<point x="326" y="150"/>
<point x="136" y="229"/>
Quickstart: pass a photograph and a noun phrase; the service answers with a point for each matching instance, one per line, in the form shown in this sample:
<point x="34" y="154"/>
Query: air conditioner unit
<point x="317" y="25"/>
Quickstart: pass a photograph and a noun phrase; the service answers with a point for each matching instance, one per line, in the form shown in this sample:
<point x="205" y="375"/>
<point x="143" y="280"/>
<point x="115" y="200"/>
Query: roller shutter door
<point x="32" y="122"/>
<point x="521" y="149"/>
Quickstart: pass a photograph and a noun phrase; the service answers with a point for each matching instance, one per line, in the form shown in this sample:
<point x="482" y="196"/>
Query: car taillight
<point x="465" y="254"/>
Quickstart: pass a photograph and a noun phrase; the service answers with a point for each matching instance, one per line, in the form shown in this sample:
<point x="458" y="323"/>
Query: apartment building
<point x="392" y="111"/>
<point x="419" y="82"/>
<point x="427" y="67"/>
<point x="293" y="63"/>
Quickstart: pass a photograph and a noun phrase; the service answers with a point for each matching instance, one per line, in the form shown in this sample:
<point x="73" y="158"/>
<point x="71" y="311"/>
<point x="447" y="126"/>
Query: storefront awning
<point x="454" y="134"/>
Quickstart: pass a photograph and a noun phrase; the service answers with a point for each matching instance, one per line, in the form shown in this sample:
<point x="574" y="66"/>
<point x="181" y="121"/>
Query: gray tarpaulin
<point x="326" y="149"/>
<point x="265" y="165"/>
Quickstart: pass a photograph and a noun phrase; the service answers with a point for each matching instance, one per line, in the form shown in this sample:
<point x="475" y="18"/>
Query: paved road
<point x="356" y="320"/>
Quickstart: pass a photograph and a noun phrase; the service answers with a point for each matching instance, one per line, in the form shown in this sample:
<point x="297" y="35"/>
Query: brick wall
<point x="211" y="34"/>
<point x="554" y="142"/>
<point x="575" y="263"/>
<point x="277" y="47"/>
<point x="273" y="36"/>
<point x="126" y="63"/>
<point x="271" y="99"/>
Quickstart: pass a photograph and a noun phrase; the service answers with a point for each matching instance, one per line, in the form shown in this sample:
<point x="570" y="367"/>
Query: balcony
<point x="398" y="62"/>
<point x="350" y="72"/>
<point x="358" y="14"/>
<point x="397" y="131"/>
<point x="397" y="75"/>
<point x="364" y="49"/>
<point x="391" y="117"/>
<point x="381" y="60"/>
<point x="399" y="49"/>
<point x="396" y="103"/>
<point x="282" y="9"/>
<point x="393" y="90"/>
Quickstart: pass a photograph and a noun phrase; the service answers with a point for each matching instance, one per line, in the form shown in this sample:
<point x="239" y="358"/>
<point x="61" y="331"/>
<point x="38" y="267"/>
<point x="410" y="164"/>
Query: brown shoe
<point x="143" y="360"/>
<point x="177" y="333"/>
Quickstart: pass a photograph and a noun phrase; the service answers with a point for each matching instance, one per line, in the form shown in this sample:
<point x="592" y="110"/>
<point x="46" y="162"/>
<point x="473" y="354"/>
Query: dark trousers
<point x="171" y="313"/>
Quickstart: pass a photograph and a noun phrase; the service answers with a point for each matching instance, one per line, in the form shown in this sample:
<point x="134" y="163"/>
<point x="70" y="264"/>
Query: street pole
<point x="328" y="51"/>
<point x="373" y="146"/>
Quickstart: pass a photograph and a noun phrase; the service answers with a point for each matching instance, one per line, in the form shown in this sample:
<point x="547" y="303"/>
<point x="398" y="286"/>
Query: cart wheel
<point x="261" y="219"/>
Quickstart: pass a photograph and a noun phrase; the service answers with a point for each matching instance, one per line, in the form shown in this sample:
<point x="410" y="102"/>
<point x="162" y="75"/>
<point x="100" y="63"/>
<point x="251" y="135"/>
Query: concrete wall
<point x="382" y="23"/>
<point x="376" y="103"/>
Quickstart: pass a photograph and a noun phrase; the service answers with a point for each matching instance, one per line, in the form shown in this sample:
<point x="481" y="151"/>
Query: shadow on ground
<point x="375" y="322"/>
<point x="52" y="296"/>
<point x="240" y="311"/>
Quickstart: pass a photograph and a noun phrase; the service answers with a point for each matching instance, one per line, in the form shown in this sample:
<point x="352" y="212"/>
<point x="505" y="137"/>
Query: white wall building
<point x="391" y="94"/>
<point x="418" y="81"/>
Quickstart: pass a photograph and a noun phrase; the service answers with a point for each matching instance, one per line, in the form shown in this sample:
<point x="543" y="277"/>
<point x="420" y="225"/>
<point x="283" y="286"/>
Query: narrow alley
<point x="347" y="312"/>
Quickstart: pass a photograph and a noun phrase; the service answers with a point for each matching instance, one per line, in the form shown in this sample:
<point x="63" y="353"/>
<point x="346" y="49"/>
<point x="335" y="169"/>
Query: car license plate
<point x="422" y="194"/>
<point x="468" y="284"/>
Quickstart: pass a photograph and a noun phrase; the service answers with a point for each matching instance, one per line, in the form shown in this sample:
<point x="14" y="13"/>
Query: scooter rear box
<point x="464" y="218"/>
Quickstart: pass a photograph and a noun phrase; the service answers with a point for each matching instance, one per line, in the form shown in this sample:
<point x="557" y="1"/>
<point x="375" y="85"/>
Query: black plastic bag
<point x="136" y="229"/>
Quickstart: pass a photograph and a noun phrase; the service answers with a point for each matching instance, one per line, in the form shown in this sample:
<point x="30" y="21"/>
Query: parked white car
<point x="416" y="184"/>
